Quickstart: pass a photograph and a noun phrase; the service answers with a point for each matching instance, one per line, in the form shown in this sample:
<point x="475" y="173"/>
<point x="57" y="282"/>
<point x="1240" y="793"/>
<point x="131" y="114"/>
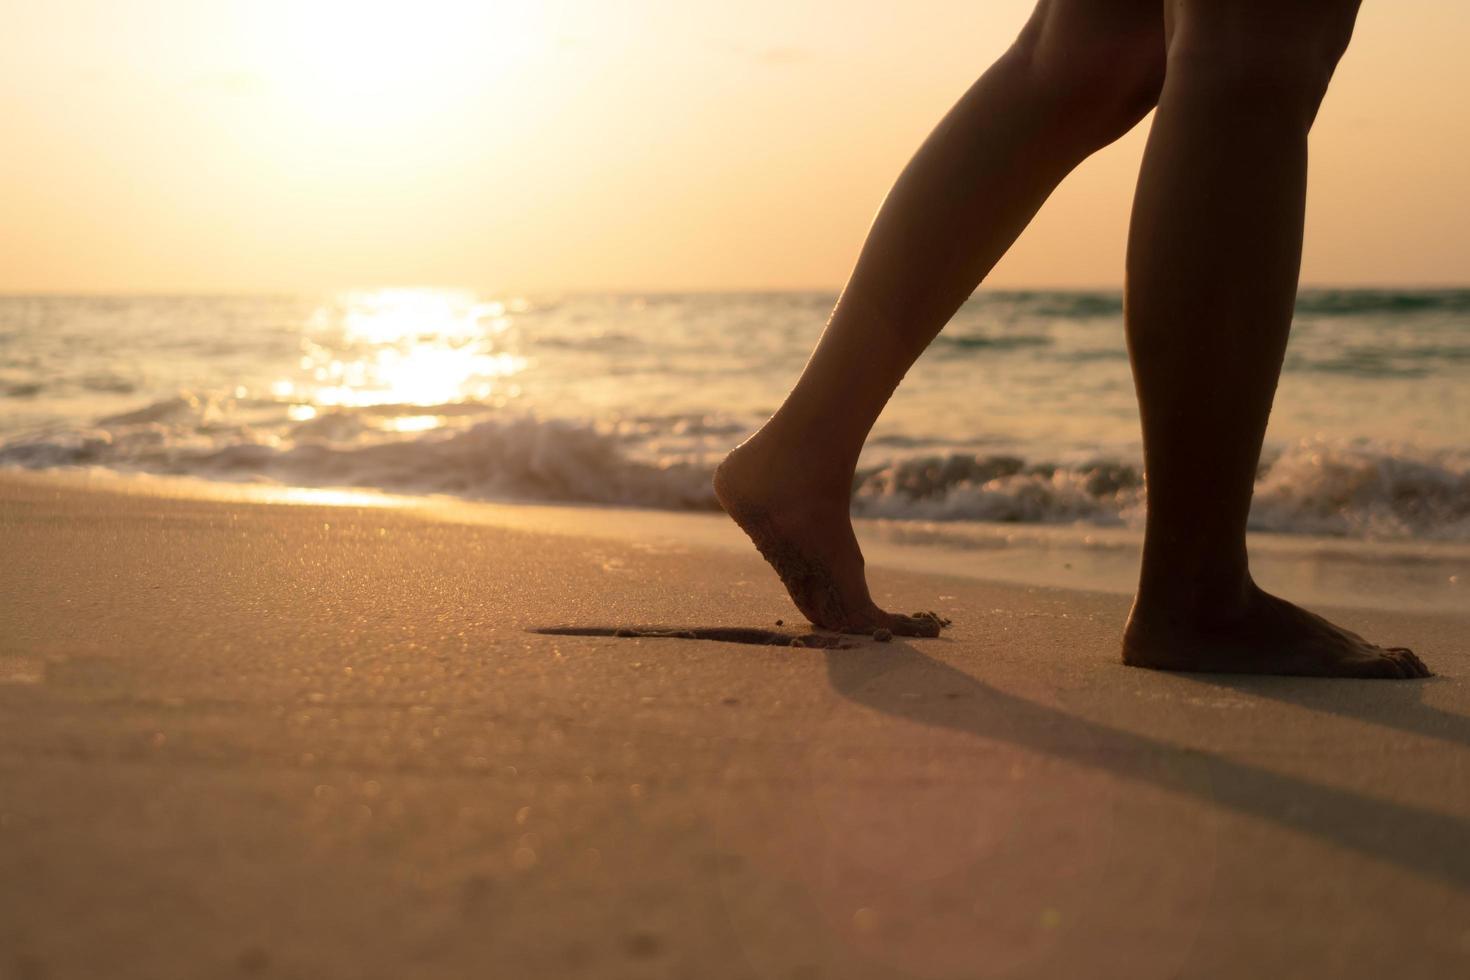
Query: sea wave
<point x="1314" y="487"/>
<point x="520" y="458"/>
<point x="993" y="342"/>
<point x="1354" y="302"/>
<point x="1316" y="302"/>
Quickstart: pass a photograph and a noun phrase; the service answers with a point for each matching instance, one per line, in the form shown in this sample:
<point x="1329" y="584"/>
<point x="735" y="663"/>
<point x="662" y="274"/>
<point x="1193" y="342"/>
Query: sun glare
<point x="377" y="62"/>
<point x="405" y="347"/>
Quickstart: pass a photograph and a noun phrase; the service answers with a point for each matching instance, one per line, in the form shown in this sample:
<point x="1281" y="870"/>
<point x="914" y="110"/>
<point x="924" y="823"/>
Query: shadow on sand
<point x="1421" y="841"/>
<point x="1392" y="705"/>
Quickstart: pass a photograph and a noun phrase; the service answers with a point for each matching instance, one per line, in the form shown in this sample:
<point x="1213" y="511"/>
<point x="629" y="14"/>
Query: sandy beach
<point x="298" y="740"/>
<point x="378" y="383"/>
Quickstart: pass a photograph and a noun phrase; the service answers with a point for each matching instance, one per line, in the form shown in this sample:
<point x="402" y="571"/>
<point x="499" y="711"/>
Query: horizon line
<point x="161" y="293"/>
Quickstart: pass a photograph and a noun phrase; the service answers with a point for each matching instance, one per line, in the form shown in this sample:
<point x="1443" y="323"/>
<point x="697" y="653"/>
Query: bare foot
<point x="1266" y="635"/>
<point x="806" y="534"/>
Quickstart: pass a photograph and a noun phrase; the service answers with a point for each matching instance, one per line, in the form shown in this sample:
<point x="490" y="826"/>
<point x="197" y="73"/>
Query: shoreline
<point x="1390" y="575"/>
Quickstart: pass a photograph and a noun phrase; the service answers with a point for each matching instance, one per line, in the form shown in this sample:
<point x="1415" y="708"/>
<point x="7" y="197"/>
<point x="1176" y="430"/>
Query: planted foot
<point x="802" y="527"/>
<point x="1262" y="635"/>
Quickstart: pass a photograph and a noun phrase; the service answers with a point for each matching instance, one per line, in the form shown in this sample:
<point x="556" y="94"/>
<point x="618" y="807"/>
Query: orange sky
<point x="200" y="145"/>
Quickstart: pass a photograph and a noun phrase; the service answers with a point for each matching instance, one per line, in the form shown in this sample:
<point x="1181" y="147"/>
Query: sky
<point x="514" y="145"/>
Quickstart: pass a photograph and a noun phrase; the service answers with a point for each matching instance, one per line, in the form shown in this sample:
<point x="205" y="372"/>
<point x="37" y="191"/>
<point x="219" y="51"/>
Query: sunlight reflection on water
<point x="411" y="347"/>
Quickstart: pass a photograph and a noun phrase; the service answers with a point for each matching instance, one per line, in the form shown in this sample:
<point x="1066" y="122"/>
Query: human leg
<point x="1082" y="73"/>
<point x="1213" y="259"/>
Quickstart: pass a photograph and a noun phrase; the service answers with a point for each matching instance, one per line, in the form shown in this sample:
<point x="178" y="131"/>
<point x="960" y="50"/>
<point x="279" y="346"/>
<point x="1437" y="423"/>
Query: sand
<point x="292" y="740"/>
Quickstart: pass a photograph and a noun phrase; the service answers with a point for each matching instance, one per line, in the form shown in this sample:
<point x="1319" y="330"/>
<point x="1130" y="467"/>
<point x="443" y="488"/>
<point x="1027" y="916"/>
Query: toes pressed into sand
<point x="919" y="624"/>
<point x="1409" y="662"/>
<point x="820" y="565"/>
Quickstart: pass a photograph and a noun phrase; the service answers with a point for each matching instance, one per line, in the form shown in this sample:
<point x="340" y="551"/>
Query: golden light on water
<point x="413" y="423"/>
<point x="385" y="316"/>
<point x="405" y="347"/>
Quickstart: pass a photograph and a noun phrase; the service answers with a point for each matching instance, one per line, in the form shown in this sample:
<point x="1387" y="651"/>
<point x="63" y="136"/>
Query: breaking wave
<point x="1309" y="488"/>
<point x="1350" y="490"/>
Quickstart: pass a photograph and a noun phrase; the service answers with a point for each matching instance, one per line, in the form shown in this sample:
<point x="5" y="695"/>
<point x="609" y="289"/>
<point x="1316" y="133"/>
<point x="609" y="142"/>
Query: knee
<point x="1257" y="55"/>
<point x="1098" y="75"/>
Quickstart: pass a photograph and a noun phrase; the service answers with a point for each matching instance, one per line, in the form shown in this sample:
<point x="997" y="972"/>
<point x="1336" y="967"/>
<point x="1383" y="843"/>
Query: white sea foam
<point x="1316" y="487"/>
<point x="1310" y="488"/>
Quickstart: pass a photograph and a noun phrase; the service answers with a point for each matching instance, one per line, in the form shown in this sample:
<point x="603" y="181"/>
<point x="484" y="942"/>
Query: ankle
<point x="778" y="459"/>
<point x="1211" y="596"/>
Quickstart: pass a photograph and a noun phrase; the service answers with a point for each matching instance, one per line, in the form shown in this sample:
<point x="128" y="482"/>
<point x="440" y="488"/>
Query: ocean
<point x="1022" y="412"/>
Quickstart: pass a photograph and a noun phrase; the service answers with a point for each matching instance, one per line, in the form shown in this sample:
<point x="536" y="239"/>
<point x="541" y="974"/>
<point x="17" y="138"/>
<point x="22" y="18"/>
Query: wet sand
<point x="305" y="741"/>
